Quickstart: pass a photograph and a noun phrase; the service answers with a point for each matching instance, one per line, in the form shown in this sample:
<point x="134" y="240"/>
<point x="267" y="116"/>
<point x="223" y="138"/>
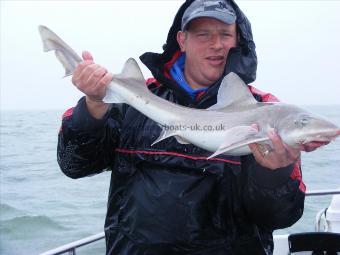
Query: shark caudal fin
<point x="65" y="54"/>
<point x="130" y="78"/>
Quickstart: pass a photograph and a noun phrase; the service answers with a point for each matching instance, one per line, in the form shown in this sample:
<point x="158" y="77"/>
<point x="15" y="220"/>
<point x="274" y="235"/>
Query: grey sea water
<point x="40" y="208"/>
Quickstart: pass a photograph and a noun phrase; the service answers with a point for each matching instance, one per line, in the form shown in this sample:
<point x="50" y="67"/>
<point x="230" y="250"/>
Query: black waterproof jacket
<point x="168" y="198"/>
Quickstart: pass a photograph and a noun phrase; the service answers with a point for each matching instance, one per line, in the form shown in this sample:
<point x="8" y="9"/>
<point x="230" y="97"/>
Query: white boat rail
<point x="323" y="192"/>
<point x="71" y="247"/>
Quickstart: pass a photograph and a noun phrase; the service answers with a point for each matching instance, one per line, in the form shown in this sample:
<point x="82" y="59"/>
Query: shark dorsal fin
<point x="233" y="92"/>
<point x="131" y="70"/>
<point x="131" y="76"/>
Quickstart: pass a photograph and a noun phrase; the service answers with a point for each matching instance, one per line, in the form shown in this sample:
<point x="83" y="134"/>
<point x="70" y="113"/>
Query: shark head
<point x="307" y="131"/>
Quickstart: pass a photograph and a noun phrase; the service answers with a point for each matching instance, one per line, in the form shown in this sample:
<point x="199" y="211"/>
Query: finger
<point x="79" y="69"/>
<point x="255" y="149"/>
<point x="86" y="73"/>
<point x="100" y="88"/>
<point x="88" y="59"/>
<point x="277" y="142"/>
<point x="255" y="126"/>
<point x="105" y="80"/>
<point x="96" y="76"/>
<point x="81" y="80"/>
<point x="271" y="161"/>
<point x="87" y="55"/>
<point x="98" y="92"/>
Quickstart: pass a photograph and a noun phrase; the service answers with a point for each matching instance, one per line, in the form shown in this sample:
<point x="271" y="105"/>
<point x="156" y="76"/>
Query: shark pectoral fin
<point x="163" y="135"/>
<point x="181" y="140"/>
<point x="238" y="145"/>
<point x="237" y="137"/>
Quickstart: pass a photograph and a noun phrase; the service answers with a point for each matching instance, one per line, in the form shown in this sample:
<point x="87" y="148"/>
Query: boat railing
<point x="72" y="247"/>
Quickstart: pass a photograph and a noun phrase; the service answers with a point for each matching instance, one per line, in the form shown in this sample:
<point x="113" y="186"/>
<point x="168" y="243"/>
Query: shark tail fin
<point x="131" y="77"/>
<point x="64" y="53"/>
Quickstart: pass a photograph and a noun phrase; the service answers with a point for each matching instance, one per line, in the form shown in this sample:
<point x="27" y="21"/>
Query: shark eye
<point x="304" y="121"/>
<point x="301" y="121"/>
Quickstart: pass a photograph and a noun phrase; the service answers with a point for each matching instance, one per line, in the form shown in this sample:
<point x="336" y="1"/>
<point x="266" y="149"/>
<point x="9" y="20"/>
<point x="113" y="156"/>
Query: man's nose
<point x="216" y="42"/>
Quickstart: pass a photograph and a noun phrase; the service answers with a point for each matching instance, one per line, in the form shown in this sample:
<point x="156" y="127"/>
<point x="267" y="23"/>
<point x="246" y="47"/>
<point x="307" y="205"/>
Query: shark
<point x="224" y="128"/>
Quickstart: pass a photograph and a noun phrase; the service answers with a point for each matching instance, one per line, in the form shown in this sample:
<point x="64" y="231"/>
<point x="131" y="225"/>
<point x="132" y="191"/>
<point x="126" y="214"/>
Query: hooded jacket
<point x="168" y="198"/>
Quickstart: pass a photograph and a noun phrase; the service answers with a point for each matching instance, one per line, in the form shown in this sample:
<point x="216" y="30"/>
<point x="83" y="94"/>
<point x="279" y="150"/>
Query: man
<point x="168" y="198"/>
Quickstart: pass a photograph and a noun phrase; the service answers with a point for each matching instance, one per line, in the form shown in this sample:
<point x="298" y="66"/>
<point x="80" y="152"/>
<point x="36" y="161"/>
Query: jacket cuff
<point x="271" y="178"/>
<point x="83" y="120"/>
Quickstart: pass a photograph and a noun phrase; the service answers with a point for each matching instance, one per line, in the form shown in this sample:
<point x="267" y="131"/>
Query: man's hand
<point x="280" y="156"/>
<point x="92" y="80"/>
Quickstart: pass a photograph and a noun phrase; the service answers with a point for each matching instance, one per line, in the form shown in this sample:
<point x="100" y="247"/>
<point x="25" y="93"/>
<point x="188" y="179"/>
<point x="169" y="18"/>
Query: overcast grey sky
<point x="297" y="46"/>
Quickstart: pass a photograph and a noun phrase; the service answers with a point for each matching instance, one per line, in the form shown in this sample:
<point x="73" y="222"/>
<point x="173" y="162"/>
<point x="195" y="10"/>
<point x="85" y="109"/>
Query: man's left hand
<point x="279" y="156"/>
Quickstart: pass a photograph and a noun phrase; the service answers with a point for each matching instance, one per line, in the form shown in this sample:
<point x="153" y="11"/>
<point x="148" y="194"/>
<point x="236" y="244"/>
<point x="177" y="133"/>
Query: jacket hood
<point x="242" y="60"/>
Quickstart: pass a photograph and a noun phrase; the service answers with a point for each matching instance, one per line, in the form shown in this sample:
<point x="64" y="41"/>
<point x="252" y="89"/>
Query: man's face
<point x="206" y="44"/>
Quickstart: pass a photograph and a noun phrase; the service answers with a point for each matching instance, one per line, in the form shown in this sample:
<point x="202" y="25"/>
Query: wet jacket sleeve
<point x="273" y="198"/>
<point x="85" y="144"/>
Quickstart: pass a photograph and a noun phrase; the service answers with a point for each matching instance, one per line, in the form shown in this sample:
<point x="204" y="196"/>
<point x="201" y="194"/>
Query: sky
<point x="297" y="45"/>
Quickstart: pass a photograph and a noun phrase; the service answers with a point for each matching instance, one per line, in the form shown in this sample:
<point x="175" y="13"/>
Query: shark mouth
<point x="319" y="140"/>
<point x="313" y="145"/>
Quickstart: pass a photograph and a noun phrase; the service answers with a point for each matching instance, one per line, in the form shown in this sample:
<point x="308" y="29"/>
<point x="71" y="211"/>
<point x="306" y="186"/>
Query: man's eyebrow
<point x="200" y="29"/>
<point x="227" y="29"/>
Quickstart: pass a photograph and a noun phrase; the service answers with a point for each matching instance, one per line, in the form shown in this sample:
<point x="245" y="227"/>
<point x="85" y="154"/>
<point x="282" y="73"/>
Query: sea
<point x="41" y="208"/>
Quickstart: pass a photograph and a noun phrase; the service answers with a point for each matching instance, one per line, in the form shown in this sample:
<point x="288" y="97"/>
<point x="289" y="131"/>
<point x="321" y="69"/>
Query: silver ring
<point x="266" y="152"/>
